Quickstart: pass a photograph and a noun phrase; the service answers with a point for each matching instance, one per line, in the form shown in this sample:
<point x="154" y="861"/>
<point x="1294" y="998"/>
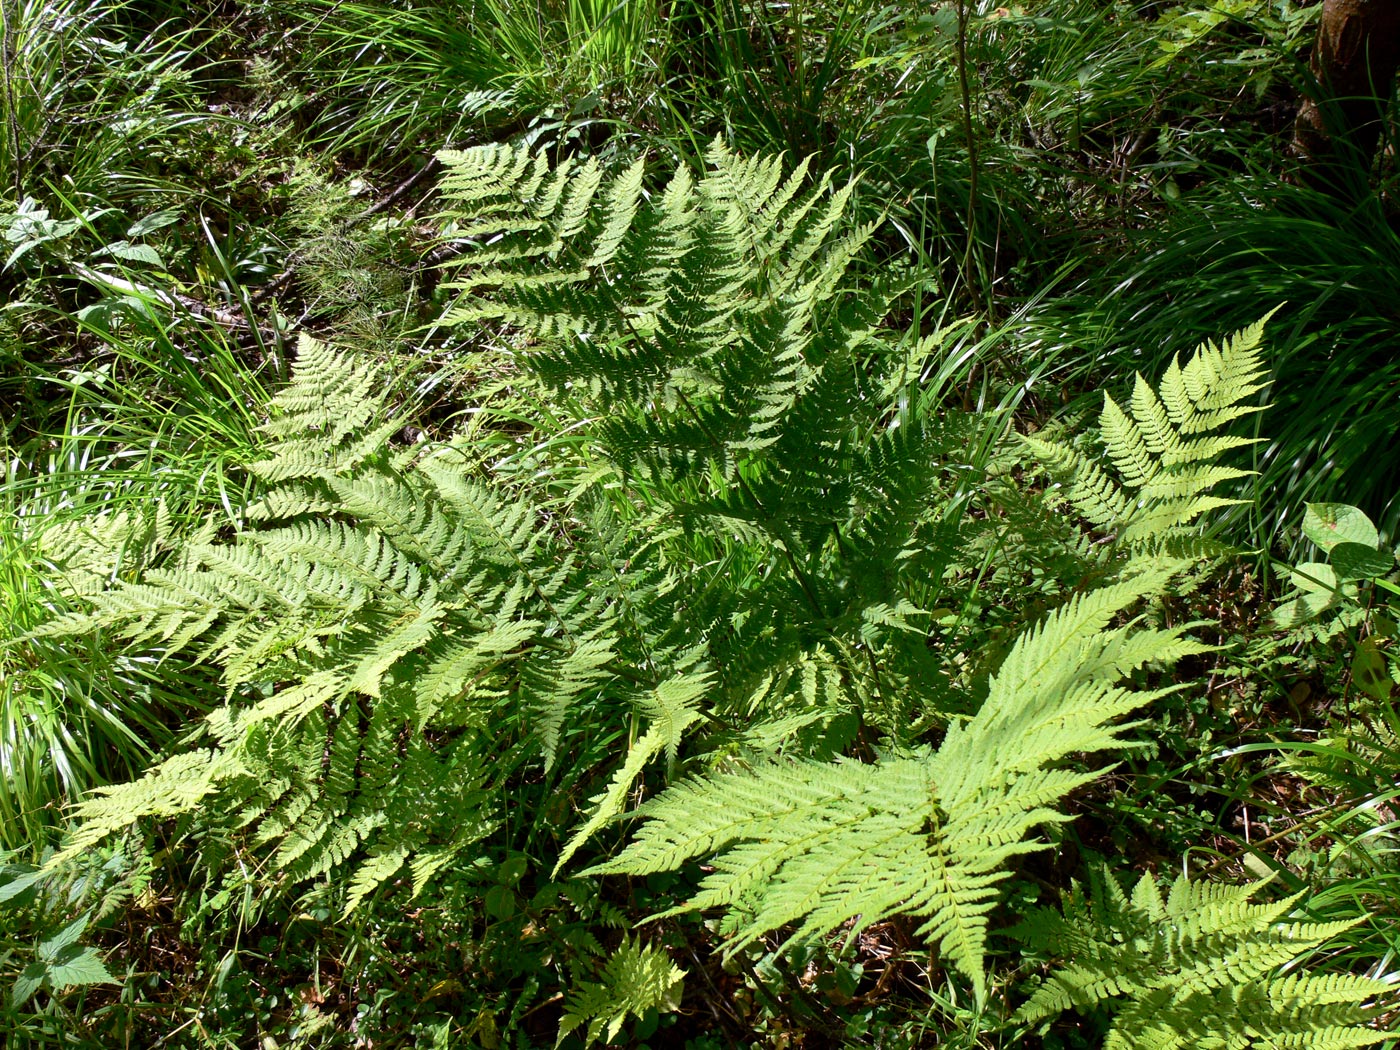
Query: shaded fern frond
<point x="774" y="432"/>
<point x="698" y="301"/>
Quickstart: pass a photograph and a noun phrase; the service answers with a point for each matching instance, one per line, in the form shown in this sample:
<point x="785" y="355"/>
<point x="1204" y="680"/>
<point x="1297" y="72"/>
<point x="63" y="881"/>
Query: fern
<point x="1165" y="447"/>
<point x="1200" y="968"/>
<point x="773" y="431"/>
<point x="820" y="845"/>
<point x="735" y="553"/>
<point x="368" y="627"/>
<point x="636" y="978"/>
<point x="814" y="846"/>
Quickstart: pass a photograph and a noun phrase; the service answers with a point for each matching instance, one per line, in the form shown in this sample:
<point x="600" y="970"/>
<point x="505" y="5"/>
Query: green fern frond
<point x="672" y="707"/>
<point x="636" y="978"/>
<point x="332" y="398"/>
<point x="1164" y="447"/>
<point x="1200" y="968"/>
<point x="816" y="846"/>
<point x="175" y="787"/>
<point x="374" y="640"/>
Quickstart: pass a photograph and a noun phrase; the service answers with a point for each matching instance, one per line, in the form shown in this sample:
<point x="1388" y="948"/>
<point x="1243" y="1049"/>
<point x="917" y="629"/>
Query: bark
<point x="1353" y="64"/>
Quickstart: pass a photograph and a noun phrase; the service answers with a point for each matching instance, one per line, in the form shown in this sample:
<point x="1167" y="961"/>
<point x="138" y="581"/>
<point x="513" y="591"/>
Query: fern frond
<point x="176" y="786"/>
<point x="817" y="846"/>
<point x="1199" y="968"/>
<point x="635" y="979"/>
<point x="1165" y="446"/>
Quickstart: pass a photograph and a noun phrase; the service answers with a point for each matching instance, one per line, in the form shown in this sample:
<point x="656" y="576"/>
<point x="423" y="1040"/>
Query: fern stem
<point x="811" y="1012"/>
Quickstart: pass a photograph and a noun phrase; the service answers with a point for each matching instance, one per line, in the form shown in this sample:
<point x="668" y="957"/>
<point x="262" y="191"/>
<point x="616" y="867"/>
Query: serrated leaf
<point x="154" y="221"/>
<point x="64" y="938"/>
<point x="30" y="980"/>
<point x="129" y="252"/>
<point x="21" y="885"/>
<point x="77" y="966"/>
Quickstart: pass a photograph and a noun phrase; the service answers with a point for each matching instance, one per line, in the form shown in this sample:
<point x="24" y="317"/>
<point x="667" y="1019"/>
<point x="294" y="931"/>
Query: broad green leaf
<point x="64" y="938"/>
<point x="77" y="967"/>
<point x="1355" y="561"/>
<point x="30" y="980"/>
<point x="499" y="902"/>
<point x="154" y="221"/>
<point x="1370" y="672"/>
<point x="20" y="884"/>
<point x="1318" y="590"/>
<point x="1328" y="524"/>
<point x="1315" y="577"/>
<point x="133" y="253"/>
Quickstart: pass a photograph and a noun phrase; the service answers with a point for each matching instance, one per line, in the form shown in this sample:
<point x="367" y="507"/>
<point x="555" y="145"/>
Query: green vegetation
<point x="715" y="523"/>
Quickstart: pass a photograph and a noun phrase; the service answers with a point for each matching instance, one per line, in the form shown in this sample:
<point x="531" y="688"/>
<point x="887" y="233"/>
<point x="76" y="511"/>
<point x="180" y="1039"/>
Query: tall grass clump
<point x="392" y="79"/>
<point x="86" y="96"/>
<point x="137" y="443"/>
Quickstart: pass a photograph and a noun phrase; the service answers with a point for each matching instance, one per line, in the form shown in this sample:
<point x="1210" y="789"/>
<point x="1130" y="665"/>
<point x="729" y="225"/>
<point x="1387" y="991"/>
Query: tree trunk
<point x="1353" y="64"/>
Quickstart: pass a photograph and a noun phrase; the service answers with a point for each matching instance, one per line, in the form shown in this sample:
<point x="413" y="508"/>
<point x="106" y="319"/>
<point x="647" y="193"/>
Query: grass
<point x="84" y="99"/>
<point x="139" y="450"/>
<point x="386" y="78"/>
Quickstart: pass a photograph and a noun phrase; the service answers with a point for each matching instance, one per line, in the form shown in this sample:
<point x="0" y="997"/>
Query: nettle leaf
<point x="31" y="979"/>
<point x="129" y="252"/>
<point x="77" y="966"/>
<point x="64" y="938"/>
<point x="61" y="963"/>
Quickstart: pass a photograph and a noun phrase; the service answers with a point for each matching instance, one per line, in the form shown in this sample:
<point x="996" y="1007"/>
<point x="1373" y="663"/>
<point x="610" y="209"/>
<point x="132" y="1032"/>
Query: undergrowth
<point x="698" y="524"/>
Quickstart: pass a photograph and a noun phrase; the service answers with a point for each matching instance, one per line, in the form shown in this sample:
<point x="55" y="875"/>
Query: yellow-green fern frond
<point x="814" y="846"/>
<point x="367" y="624"/>
<point x="635" y="979"/>
<point x="1165" y="446"/>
